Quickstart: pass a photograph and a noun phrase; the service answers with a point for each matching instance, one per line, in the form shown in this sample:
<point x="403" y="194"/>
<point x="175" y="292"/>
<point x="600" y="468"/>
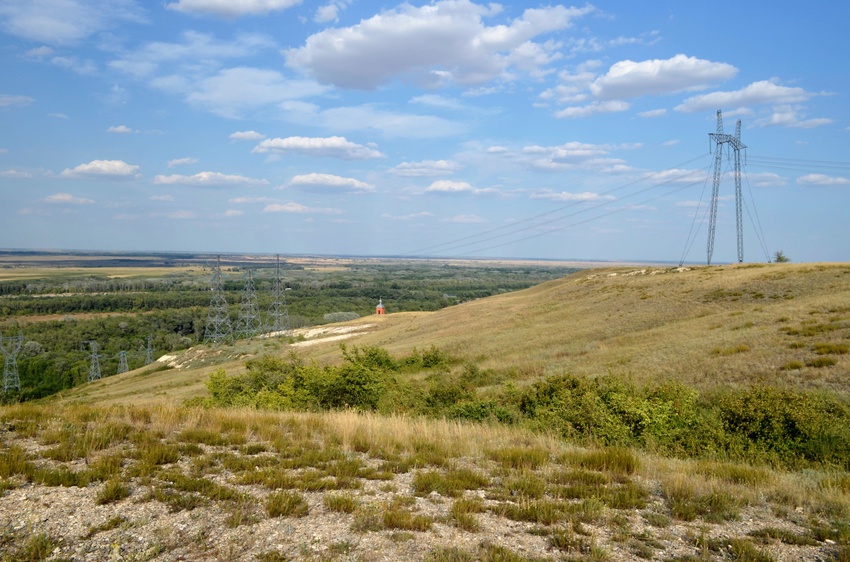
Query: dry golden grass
<point x="704" y="326"/>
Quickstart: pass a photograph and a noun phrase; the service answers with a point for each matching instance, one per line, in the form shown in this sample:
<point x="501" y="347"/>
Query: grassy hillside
<point x="782" y="324"/>
<point x="120" y="469"/>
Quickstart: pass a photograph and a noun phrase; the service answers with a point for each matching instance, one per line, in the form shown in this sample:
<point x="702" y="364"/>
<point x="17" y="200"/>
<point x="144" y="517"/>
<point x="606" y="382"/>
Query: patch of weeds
<point x="450" y="483"/>
<point x="341" y="503"/>
<point x="641" y="549"/>
<point x="113" y="523"/>
<point x="842" y="554"/>
<point x="14" y="461"/>
<point x="819" y="362"/>
<point x="745" y="551"/>
<point x="792" y="365"/>
<point x="190" y="449"/>
<point x="525" y="485"/>
<point x="111" y="492"/>
<point x="450" y="554"/>
<point x="626" y="496"/>
<point x="714" y="507"/>
<point x="733" y="350"/>
<point x="657" y="519"/>
<point x="586" y="511"/>
<point x="367" y="518"/>
<point x="831" y="348"/>
<point x="616" y="460"/>
<point x="735" y="473"/>
<point x="34" y="549"/>
<point x="272" y="556"/>
<point x="581" y="477"/>
<point x="176" y="501"/>
<point x="397" y="516"/>
<point x="520" y="458"/>
<point x="286" y="504"/>
<point x="202" y="486"/>
<point x="62" y="476"/>
<point x="253" y="449"/>
<point x="462" y="512"/>
<point x="768" y="534"/>
<point x="106" y="467"/>
<point x="566" y="540"/>
<point x="241" y="512"/>
<point x="495" y="553"/>
<point x="542" y="512"/>
<point x="156" y="453"/>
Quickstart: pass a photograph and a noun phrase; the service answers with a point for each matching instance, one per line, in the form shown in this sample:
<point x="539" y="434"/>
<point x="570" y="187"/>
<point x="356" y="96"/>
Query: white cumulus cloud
<point x="231" y="8"/>
<point x="629" y="79"/>
<point x="437" y="43"/>
<point x="67" y="198"/>
<point x="762" y="92"/>
<point x="15" y="101"/>
<point x="65" y="22"/>
<point x="181" y="162"/>
<point x="449" y="186"/>
<point x="293" y="207"/>
<point x="15" y="174"/>
<point x="329" y="147"/>
<point x="247" y="136"/>
<point x="466" y="219"/>
<point x="584" y="197"/>
<point x="102" y="169"/>
<point x="324" y="182"/>
<point x="120" y="129"/>
<point x="821" y="179"/>
<point x="209" y="179"/>
<point x="425" y="168"/>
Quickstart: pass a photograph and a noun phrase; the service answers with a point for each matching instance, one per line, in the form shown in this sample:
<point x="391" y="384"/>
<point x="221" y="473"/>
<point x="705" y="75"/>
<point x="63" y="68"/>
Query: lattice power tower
<point x="735" y="143"/>
<point x="94" y="362"/>
<point x="10" y="347"/>
<point x="278" y="316"/>
<point x="218" y="326"/>
<point x="248" y="325"/>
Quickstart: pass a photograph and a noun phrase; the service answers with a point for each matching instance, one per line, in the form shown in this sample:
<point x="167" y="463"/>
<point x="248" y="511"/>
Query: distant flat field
<point x="24" y="273"/>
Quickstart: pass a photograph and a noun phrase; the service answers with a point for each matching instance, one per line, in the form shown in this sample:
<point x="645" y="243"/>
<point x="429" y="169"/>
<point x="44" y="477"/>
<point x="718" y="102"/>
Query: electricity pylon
<point x="720" y="139"/>
<point x="218" y="326"/>
<point x="149" y="351"/>
<point x="278" y="317"/>
<point x="10" y="347"/>
<point x="94" y="362"/>
<point x="122" y="362"/>
<point x="248" y="324"/>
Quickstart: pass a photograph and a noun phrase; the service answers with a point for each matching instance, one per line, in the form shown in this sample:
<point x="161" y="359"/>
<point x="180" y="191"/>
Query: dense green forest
<point x="121" y="313"/>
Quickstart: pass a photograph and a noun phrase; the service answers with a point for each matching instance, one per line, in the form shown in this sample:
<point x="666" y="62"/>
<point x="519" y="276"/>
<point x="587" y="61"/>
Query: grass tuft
<point x="286" y="504"/>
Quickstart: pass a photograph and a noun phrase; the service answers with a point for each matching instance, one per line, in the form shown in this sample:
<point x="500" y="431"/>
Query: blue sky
<point x="451" y="128"/>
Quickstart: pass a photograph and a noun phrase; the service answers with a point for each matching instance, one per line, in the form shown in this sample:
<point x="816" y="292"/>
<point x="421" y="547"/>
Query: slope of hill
<point x="149" y="479"/>
<point x="784" y="324"/>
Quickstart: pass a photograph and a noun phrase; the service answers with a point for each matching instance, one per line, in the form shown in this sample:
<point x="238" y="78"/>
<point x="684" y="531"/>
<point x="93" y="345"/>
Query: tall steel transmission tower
<point x="149" y="351"/>
<point x="248" y="324"/>
<point x="735" y="143"/>
<point x="122" y="362"/>
<point x="94" y="362"/>
<point x="218" y="326"/>
<point x="278" y="316"/>
<point x="10" y="347"/>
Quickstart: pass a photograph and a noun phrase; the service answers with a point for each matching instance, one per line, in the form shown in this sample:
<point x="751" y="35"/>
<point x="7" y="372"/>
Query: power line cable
<point x="453" y="244"/>
<point x="614" y="211"/>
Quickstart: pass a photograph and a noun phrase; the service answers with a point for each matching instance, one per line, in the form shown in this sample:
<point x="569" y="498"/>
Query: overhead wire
<point x="455" y="243"/>
<point x="614" y="211"/>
